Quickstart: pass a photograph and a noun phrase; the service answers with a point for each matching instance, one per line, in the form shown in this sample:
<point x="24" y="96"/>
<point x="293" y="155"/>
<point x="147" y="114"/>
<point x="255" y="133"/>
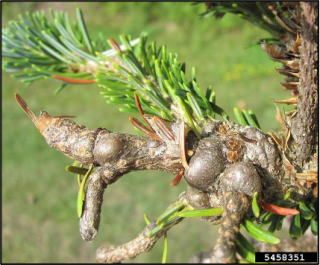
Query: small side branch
<point x="90" y="219"/>
<point x="142" y="243"/>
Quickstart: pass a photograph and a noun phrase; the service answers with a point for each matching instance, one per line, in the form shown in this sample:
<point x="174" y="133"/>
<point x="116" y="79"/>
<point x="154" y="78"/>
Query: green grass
<point x="39" y="222"/>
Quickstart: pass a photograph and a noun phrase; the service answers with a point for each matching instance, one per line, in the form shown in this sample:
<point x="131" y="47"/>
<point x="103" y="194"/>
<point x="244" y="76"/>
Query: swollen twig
<point x="213" y="180"/>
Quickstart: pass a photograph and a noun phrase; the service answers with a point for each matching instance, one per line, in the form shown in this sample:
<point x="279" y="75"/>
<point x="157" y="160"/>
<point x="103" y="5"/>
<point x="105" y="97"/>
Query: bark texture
<point x="235" y="206"/>
<point x="308" y="105"/>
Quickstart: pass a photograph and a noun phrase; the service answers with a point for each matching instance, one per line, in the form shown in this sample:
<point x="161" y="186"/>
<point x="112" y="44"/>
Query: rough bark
<point x="228" y="165"/>
<point x="298" y="139"/>
<point x="142" y="243"/>
<point x="235" y="206"/>
<point x="306" y="121"/>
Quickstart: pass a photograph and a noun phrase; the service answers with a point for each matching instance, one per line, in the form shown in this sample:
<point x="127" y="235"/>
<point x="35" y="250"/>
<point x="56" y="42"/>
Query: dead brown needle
<point x="182" y="148"/>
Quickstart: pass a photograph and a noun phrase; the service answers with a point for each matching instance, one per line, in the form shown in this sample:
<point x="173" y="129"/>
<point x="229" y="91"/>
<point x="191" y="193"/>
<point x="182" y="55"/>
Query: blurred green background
<point x="39" y="219"/>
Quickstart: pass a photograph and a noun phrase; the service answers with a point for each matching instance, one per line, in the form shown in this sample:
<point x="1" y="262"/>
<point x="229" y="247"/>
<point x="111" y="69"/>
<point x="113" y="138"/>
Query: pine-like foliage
<point x="62" y="52"/>
<point x="258" y="13"/>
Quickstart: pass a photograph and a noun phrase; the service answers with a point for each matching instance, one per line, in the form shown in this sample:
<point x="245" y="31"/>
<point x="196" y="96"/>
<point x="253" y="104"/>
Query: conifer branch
<point x="260" y="14"/>
<point x="139" y="72"/>
<point x="58" y="51"/>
